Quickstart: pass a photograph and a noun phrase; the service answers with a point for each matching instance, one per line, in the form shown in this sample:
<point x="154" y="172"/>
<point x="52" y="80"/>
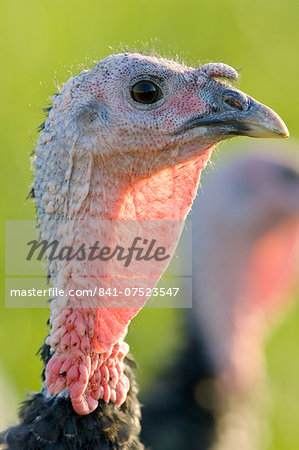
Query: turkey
<point x="117" y="161"/>
<point x="245" y="227"/>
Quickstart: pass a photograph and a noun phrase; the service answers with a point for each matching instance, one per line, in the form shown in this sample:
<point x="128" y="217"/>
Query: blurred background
<point x="44" y="43"/>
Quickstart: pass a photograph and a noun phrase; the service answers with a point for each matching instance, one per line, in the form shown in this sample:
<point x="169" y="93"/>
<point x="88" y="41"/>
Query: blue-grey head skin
<point x="97" y="116"/>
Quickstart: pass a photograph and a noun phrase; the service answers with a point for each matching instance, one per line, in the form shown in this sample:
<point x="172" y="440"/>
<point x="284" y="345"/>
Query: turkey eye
<point x="146" y="92"/>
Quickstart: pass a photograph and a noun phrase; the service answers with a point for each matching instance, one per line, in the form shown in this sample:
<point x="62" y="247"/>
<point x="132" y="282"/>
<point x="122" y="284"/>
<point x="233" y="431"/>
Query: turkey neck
<point x="87" y="331"/>
<point x="127" y="187"/>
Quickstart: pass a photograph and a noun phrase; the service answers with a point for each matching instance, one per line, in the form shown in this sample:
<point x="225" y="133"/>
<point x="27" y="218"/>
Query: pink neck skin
<point x="88" y="343"/>
<point x="271" y="271"/>
<point x="272" y="266"/>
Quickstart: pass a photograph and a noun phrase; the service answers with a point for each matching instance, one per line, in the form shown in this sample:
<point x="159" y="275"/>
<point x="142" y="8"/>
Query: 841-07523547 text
<point x="141" y="292"/>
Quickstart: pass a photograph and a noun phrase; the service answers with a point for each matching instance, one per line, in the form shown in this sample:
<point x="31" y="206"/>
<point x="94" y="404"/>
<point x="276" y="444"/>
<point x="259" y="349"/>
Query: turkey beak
<point x="233" y="113"/>
<point x="260" y="121"/>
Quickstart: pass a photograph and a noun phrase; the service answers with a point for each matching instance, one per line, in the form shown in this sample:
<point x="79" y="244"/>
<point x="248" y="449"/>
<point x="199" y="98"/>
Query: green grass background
<point x="41" y="41"/>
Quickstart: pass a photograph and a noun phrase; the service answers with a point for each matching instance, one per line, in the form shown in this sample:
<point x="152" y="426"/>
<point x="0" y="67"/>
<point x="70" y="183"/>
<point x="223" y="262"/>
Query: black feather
<point x="177" y="415"/>
<point x="50" y="423"/>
